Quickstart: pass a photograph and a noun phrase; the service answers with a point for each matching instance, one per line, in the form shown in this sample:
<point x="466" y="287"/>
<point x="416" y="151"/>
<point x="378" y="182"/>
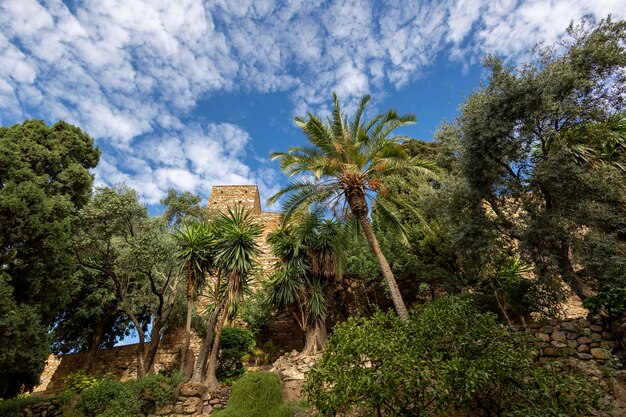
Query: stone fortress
<point x="121" y="361"/>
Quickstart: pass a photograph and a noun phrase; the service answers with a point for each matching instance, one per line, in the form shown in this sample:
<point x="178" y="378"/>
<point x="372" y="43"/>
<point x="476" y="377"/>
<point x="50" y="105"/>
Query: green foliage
<point x="44" y="180"/>
<point x="448" y="357"/>
<point x="110" y="398"/>
<point x="611" y="302"/>
<point x="541" y="160"/>
<point x="13" y="407"/>
<point x="181" y="207"/>
<point x="235" y="342"/>
<point x="256" y="311"/>
<point x="256" y="394"/>
<point x="79" y="381"/>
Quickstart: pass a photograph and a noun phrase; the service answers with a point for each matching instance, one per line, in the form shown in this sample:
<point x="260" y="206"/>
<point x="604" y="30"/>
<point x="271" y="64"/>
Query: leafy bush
<point x="13" y="406"/>
<point x="256" y="311"/>
<point x="234" y="344"/>
<point x="80" y="381"/>
<point x="110" y="398"/>
<point x="448" y="357"/>
<point x="611" y="301"/>
<point x="256" y="394"/>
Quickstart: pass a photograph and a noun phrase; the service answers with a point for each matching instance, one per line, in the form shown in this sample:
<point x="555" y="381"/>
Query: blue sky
<point x="190" y="94"/>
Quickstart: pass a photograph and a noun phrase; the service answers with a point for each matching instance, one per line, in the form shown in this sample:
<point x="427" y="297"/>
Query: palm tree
<point x="194" y="255"/>
<point x="348" y="162"/>
<point x="235" y="251"/>
<point x="309" y="258"/>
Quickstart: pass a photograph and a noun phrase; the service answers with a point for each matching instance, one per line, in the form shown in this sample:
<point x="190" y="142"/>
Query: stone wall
<point x="577" y="338"/>
<point x="120" y="361"/>
<point x="195" y="400"/>
<point x="43" y="409"/>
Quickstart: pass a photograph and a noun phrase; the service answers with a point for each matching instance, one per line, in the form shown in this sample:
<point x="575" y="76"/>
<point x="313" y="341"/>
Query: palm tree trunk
<point x="211" y="375"/>
<point x="315" y="337"/>
<point x="185" y="352"/>
<point x="206" y="343"/>
<point x="358" y="206"/>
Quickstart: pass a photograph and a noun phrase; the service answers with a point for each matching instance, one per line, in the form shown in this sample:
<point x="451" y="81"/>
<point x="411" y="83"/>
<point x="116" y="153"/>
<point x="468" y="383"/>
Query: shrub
<point x="448" y="357"/>
<point x="256" y="394"/>
<point x="132" y="398"/>
<point x="13" y="406"/>
<point x="80" y="381"/>
<point x="611" y="302"/>
<point x="234" y="344"/>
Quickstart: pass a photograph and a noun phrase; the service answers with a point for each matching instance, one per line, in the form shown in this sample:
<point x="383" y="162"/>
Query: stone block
<point x="584" y="356"/>
<point x="546" y="329"/>
<point x="595" y="328"/>
<point x="572" y="344"/>
<point x="193" y="389"/>
<point x="608" y="344"/>
<point x="568" y="326"/>
<point x="559" y="336"/>
<point x="191" y="405"/>
<point x="583" y="349"/>
<point x="600" y="353"/>
<point x="584" y="340"/>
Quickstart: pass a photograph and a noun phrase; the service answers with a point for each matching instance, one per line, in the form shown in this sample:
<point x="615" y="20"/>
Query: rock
<point x="571" y="336"/>
<point x="534" y="326"/>
<point x="559" y="336"/>
<point x="595" y="337"/>
<point x="584" y="340"/>
<point x="572" y="343"/>
<point x="584" y="356"/>
<point x="600" y="353"/>
<point x="214" y="401"/>
<point x="551" y="351"/>
<point x="558" y="344"/>
<point x="595" y="328"/>
<point x="546" y="329"/>
<point x="193" y="389"/>
<point x="569" y="326"/>
<point x="191" y="405"/>
<point x="543" y="337"/>
<point x="165" y="410"/>
<point x="607" y="336"/>
<point x="583" y="349"/>
<point x="584" y="323"/>
<point x="608" y="344"/>
<point x="206" y="410"/>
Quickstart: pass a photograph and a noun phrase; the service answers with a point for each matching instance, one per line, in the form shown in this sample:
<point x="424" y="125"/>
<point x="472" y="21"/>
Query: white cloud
<point x="129" y="72"/>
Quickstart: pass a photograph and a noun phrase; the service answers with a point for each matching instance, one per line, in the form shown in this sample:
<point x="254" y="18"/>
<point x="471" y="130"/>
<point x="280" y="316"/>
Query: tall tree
<point x="135" y="257"/>
<point x="541" y="147"/>
<point x="348" y="162"/>
<point x="44" y="180"/>
<point x="236" y="251"/>
<point x="181" y="207"/>
<point x="195" y="257"/>
<point x="309" y="254"/>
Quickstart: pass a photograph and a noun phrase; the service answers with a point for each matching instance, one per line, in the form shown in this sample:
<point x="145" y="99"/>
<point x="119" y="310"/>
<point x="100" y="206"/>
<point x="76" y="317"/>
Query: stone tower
<point x="247" y="196"/>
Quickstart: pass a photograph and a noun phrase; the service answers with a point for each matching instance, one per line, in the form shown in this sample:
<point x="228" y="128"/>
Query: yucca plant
<point x="195" y="259"/>
<point x="309" y="252"/>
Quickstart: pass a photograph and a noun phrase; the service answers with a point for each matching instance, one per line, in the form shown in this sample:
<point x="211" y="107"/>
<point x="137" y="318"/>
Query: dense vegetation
<point x="256" y="394"/>
<point x="424" y="253"/>
<point x="448" y="357"/>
